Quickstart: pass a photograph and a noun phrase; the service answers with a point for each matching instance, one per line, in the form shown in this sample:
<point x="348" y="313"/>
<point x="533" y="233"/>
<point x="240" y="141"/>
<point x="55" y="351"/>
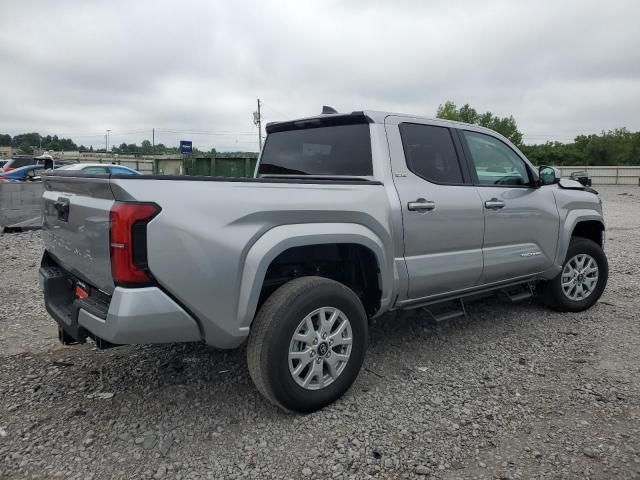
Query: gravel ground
<point x="511" y="391"/>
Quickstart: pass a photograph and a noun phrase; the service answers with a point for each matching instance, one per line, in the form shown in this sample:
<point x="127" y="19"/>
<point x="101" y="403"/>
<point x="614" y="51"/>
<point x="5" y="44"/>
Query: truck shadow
<point x="199" y="375"/>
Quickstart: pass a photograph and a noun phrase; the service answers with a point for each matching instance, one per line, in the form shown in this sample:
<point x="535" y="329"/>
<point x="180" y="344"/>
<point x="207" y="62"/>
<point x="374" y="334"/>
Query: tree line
<point x="26" y="142"/>
<point x="614" y="147"/>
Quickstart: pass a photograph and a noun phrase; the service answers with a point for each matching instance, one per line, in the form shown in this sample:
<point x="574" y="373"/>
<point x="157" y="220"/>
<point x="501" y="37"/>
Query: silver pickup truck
<point x="349" y="216"/>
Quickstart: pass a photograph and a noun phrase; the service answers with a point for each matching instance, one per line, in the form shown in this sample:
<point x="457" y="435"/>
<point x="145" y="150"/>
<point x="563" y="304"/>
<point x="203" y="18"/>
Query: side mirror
<point x="547" y="175"/>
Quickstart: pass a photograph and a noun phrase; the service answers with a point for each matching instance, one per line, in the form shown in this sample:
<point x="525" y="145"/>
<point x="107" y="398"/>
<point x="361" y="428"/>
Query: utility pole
<point x="257" y="120"/>
<point x="153" y="137"/>
<point x="107" y="140"/>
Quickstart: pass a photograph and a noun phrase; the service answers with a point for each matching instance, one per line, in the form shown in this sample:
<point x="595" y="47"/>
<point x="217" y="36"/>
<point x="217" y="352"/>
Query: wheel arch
<point x="581" y="223"/>
<point x="278" y="240"/>
<point x="590" y="229"/>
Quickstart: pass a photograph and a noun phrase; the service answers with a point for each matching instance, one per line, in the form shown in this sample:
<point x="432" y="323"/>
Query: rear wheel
<point x="582" y="279"/>
<point x="307" y="343"/>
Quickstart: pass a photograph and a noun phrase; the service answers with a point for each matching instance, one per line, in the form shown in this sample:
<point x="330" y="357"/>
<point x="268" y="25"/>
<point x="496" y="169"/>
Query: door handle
<point x="494" y="204"/>
<point x="421" y="205"/>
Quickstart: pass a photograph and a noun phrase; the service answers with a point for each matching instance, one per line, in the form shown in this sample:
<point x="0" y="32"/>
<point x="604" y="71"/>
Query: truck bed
<point x="197" y="246"/>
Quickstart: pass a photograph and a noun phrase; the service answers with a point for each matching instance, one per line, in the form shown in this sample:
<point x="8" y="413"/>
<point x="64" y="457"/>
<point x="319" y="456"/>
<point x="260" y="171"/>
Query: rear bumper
<point x="129" y="316"/>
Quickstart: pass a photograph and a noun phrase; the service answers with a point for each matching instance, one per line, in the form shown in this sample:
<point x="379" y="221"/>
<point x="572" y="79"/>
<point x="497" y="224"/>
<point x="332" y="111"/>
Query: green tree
<point x="506" y="126"/>
<point x="25" y="140"/>
<point x="24" y="147"/>
<point x="146" y="147"/>
<point x="5" y="140"/>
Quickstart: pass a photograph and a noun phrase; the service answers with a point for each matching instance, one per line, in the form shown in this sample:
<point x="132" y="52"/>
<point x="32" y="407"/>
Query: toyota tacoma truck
<point x="349" y="216"/>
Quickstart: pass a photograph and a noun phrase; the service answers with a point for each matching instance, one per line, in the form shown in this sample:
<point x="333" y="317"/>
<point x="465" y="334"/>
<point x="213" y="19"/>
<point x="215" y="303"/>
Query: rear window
<point x="21" y="162"/>
<point x="328" y="150"/>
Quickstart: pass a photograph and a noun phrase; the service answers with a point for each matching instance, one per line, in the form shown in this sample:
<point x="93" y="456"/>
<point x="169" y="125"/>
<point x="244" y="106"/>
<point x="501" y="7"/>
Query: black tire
<point x="273" y="329"/>
<point x="551" y="292"/>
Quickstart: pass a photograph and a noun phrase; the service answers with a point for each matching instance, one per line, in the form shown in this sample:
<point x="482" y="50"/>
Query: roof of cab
<point x="363" y="116"/>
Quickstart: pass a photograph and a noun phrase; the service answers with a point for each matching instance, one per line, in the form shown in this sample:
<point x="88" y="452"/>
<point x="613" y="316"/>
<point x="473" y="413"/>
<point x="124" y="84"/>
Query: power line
<point x="187" y="132"/>
<point x="269" y="107"/>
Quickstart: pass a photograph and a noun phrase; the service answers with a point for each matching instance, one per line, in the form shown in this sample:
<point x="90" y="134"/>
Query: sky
<point x="193" y="70"/>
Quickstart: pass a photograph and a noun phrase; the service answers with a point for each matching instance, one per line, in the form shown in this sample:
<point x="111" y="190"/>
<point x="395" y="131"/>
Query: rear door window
<point x="338" y="150"/>
<point x="121" y="171"/>
<point x="95" y="170"/>
<point x="430" y="153"/>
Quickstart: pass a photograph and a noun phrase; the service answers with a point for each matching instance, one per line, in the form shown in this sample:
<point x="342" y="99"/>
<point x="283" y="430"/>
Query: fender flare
<point x="281" y="238"/>
<point x="574" y="217"/>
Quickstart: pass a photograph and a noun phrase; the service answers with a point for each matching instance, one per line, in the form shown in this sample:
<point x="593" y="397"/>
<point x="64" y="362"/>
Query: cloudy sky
<point x="193" y="69"/>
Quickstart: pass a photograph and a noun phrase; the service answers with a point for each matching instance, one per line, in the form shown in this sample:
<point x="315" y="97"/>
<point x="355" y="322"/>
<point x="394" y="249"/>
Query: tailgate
<point x="75" y="226"/>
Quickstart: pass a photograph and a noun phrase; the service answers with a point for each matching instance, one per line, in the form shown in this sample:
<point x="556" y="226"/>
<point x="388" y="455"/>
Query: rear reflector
<point x="81" y="292"/>
<point x="128" y="241"/>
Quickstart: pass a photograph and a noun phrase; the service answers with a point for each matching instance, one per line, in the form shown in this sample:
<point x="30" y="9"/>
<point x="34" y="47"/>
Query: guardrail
<point x="607" y="175"/>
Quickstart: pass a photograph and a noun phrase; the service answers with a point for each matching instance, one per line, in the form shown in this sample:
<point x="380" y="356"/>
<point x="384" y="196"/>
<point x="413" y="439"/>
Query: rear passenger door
<point x="521" y="220"/>
<point x="442" y="213"/>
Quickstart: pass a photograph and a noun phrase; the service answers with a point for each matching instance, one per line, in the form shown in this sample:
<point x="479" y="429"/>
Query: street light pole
<point x="107" y="141"/>
<point x="257" y="120"/>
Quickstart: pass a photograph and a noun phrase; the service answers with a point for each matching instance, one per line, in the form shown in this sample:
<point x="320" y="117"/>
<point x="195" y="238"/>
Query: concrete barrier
<point x="613" y="175"/>
<point x="20" y="204"/>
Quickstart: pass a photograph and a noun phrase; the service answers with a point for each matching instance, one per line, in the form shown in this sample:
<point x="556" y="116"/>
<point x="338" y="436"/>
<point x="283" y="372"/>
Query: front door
<point x="441" y="211"/>
<point x="521" y="221"/>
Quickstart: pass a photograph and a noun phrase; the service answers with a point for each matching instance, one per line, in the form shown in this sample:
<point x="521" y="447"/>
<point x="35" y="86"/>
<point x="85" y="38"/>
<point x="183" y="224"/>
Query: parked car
<point x="101" y="169"/>
<point x="351" y="216"/>
<point x="582" y="177"/>
<point x="28" y="173"/>
<point x="44" y="160"/>
<point x="14" y="163"/>
<point x="2" y="163"/>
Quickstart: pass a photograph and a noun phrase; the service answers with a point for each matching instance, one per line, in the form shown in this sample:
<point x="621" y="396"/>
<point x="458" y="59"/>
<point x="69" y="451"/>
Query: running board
<point x="444" y="311"/>
<point x="516" y="294"/>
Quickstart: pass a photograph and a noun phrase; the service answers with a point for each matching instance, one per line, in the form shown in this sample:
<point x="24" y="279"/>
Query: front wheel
<point x="582" y="280"/>
<point x="307" y="343"/>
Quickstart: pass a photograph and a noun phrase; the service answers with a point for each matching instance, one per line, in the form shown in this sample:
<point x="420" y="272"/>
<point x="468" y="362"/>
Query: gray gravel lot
<point x="511" y="391"/>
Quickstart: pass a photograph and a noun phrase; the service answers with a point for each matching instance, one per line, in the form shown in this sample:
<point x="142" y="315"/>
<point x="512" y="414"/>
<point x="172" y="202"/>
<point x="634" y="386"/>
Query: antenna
<point x="327" y="110"/>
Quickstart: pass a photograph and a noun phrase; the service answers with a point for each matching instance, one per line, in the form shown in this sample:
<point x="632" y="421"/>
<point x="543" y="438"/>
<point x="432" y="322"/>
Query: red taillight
<point x="128" y="241"/>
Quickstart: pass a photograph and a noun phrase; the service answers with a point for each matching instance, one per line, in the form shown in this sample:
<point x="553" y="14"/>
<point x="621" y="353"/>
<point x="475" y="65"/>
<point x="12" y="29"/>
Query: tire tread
<point x="259" y="335"/>
<point x="549" y="292"/>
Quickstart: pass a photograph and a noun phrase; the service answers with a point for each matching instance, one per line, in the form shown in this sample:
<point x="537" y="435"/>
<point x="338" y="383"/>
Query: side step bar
<point x="516" y="294"/>
<point x="450" y="309"/>
<point x="443" y="311"/>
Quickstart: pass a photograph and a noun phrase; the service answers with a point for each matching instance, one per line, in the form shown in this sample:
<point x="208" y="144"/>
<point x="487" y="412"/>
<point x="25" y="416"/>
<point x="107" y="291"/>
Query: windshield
<point x="343" y="150"/>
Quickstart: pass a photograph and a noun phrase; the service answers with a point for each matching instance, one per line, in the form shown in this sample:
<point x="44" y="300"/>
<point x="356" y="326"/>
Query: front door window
<point x="495" y="163"/>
